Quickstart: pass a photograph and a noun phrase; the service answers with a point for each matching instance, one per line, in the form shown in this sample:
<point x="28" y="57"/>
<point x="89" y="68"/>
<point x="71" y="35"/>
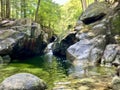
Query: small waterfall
<point x="49" y="49"/>
<point x="49" y="53"/>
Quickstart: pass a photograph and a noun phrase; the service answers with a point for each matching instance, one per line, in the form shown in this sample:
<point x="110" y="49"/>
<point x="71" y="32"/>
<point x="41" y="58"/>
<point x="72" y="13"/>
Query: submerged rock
<point x="23" y="81"/>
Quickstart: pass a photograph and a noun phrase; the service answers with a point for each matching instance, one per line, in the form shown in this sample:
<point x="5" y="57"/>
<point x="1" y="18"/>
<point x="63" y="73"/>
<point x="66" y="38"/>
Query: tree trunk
<point x="36" y="13"/>
<point x="2" y="9"/>
<point x="7" y="8"/>
<point x="84" y="4"/>
<point x="95" y="0"/>
<point x="23" y="9"/>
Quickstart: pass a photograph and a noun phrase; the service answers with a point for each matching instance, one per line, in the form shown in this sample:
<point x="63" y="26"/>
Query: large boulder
<point x="87" y="50"/>
<point x="111" y="54"/>
<point x="23" y="81"/>
<point x="8" y="39"/>
<point x="94" y="12"/>
<point x="24" y="38"/>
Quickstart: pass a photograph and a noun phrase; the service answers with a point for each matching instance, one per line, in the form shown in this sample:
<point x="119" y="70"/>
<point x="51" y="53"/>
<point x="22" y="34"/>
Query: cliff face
<point x="97" y="29"/>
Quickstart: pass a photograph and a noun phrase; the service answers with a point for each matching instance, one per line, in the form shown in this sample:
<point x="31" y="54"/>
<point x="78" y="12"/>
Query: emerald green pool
<point x="45" y="67"/>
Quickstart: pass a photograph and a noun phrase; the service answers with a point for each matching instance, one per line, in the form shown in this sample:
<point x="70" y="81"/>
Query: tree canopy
<point x="46" y="12"/>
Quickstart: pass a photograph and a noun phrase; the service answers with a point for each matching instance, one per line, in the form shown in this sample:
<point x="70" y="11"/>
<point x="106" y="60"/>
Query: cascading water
<point x="70" y="70"/>
<point x="62" y="63"/>
<point x="48" y="51"/>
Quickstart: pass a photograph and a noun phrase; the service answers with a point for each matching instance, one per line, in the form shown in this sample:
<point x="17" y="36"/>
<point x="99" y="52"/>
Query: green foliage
<point x="69" y="15"/>
<point x="49" y="13"/>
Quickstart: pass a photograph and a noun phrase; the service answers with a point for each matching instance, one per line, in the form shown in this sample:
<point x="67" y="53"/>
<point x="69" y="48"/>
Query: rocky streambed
<point x="88" y="83"/>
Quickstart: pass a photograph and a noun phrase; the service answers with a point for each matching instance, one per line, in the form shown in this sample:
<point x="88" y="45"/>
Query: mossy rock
<point x="96" y="9"/>
<point x="6" y="33"/>
<point x="115" y="23"/>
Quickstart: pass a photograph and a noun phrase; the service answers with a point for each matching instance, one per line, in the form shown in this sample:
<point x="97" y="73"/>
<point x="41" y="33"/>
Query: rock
<point x="87" y="83"/>
<point x="91" y="31"/>
<point x="87" y="50"/>
<point x="6" y="59"/>
<point x="94" y="12"/>
<point x="59" y="49"/>
<point x="23" y="81"/>
<point x="99" y="29"/>
<point x="61" y="88"/>
<point x="118" y="70"/>
<point x="23" y="40"/>
<point x="88" y="35"/>
<point x="81" y="36"/>
<point x="79" y="25"/>
<point x="23" y="21"/>
<point x="83" y="88"/>
<point x="111" y="54"/>
<point x="7" y="23"/>
<point x="85" y="54"/>
<point x="117" y="39"/>
<point x="8" y="40"/>
<point x="115" y="23"/>
<point x="117" y="60"/>
<point x="1" y="61"/>
<point x="115" y="83"/>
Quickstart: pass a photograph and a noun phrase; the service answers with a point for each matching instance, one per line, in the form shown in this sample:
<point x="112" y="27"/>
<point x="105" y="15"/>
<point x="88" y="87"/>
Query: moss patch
<point x="48" y="71"/>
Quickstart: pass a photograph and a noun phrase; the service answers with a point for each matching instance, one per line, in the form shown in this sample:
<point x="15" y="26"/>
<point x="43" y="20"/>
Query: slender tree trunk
<point x="23" y="9"/>
<point x="84" y="4"/>
<point x="7" y="8"/>
<point x="2" y="9"/>
<point x="95" y="0"/>
<point x="36" y="13"/>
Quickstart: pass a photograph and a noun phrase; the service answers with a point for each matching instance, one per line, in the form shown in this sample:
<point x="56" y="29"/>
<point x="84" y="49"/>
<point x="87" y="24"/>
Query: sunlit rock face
<point x="87" y="50"/>
<point x="111" y="54"/>
<point x="94" y="12"/>
<point x="23" y="81"/>
<point x="23" y="39"/>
